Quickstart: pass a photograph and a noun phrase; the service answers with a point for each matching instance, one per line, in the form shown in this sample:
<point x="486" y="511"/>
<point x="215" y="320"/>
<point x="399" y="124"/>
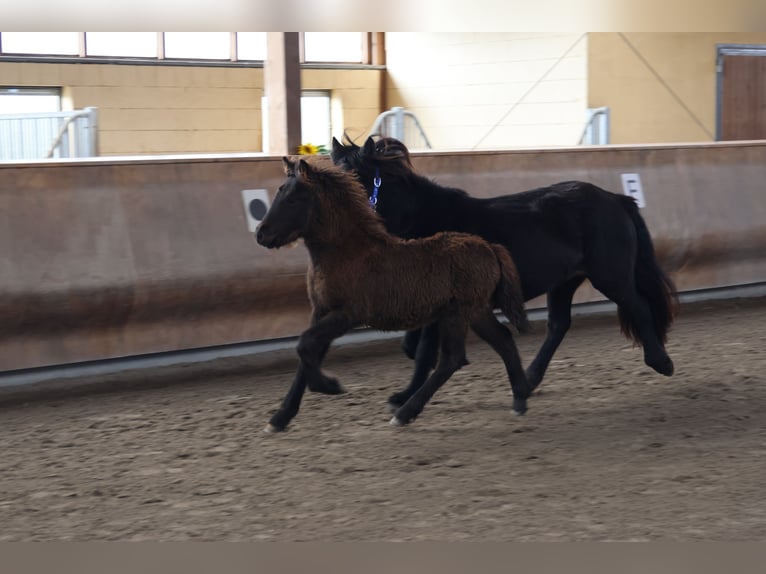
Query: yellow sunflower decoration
<point x="311" y="149"/>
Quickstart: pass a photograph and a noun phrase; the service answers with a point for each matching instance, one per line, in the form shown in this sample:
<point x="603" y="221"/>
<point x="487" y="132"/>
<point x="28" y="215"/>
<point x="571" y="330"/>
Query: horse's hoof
<point x="667" y="369"/>
<point x="519" y="407"/>
<point x="270" y="428"/>
<point x="663" y="365"/>
<point x="395" y="422"/>
<point x="395" y="402"/>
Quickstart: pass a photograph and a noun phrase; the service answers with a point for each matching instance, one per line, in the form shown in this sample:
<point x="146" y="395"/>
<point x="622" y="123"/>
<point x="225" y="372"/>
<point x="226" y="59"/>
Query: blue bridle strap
<point x="376" y="188"/>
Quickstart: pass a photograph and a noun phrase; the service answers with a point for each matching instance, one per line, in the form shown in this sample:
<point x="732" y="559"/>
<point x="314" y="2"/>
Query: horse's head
<point x="384" y="159"/>
<point x="342" y="155"/>
<point x="290" y="215"/>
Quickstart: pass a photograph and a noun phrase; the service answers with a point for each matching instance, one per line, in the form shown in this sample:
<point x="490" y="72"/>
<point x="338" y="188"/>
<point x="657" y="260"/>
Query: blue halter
<point x="376" y="188"/>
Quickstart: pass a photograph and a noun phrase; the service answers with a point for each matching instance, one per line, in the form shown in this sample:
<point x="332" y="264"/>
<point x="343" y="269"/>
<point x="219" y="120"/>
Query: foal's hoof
<point x="395" y="422"/>
<point x="327" y="386"/>
<point x="270" y="428"/>
<point x="519" y="406"/>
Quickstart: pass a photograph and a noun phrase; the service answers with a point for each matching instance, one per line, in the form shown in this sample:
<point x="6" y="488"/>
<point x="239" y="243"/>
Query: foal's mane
<point x="343" y="198"/>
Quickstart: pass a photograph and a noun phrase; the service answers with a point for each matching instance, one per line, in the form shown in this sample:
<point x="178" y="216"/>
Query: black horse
<point x="558" y="236"/>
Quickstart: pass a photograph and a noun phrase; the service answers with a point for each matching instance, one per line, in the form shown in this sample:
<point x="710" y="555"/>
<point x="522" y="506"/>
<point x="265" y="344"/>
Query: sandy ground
<point x="608" y="451"/>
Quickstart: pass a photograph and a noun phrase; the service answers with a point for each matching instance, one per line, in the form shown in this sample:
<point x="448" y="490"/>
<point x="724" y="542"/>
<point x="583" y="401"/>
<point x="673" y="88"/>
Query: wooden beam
<point x="282" y="86"/>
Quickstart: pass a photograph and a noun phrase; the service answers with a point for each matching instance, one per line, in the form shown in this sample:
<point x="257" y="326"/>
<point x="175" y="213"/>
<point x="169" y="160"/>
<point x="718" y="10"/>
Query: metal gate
<point x="403" y="125"/>
<point x="49" y="135"/>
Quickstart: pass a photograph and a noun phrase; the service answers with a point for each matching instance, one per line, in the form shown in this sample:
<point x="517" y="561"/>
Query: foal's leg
<point x="322" y="383"/>
<point x="559" y="320"/>
<point x="501" y="340"/>
<point x="425" y="360"/>
<point x="312" y="346"/>
<point x="452" y="333"/>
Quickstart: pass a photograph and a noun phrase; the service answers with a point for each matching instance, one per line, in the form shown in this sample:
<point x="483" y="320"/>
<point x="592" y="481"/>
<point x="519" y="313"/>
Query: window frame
<point x="372" y="55"/>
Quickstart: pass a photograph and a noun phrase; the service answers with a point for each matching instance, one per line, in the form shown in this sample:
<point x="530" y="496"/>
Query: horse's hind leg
<point x="501" y="340"/>
<point x="451" y="333"/>
<point x="425" y="359"/>
<point x="559" y="320"/>
<point x="635" y="308"/>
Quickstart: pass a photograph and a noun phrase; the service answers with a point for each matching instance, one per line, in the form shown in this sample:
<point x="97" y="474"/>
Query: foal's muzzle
<point x="272" y="240"/>
<point x="263" y="238"/>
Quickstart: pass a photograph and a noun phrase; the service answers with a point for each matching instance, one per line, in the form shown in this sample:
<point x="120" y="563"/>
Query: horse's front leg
<point x="410" y="343"/>
<point x="559" y="321"/>
<point x="312" y="347"/>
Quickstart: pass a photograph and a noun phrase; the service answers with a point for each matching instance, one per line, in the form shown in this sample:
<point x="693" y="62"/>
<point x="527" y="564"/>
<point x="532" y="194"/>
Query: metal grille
<point x="402" y="125"/>
<point x="49" y="135"/>
<point x="596" y="127"/>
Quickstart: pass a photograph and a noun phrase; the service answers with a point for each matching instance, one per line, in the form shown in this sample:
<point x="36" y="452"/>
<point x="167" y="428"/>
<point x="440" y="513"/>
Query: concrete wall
<point x="482" y="90"/>
<point x="157" y="109"/>
<point x="660" y="87"/>
<point x="112" y="257"/>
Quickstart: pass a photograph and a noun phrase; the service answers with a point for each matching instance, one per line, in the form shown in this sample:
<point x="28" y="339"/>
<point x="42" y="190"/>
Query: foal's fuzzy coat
<point x="362" y="275"/>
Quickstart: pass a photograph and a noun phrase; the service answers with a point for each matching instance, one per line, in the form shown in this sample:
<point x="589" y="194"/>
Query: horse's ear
<point x="338" y="149"/>
<point x="369" y="146"/>
<point x="306" y="171"/>
<point x="289" y="166"/>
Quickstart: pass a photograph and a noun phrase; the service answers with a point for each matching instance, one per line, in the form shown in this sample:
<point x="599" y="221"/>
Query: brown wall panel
<point x="743" y="98"/>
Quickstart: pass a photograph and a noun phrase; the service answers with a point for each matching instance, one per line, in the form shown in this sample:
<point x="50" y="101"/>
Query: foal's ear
<point x="369" y="146"/>
<point x="289" y="166"/>
<point x="306" y="171"/>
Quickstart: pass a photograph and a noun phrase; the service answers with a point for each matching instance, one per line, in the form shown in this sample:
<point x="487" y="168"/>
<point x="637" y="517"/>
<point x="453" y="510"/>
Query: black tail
<point x="651" y="282"/>
<point x="508" y="295"/>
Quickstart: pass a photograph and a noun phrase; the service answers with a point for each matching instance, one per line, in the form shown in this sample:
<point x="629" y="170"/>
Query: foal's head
<point x="316" y="202"/>
<point x="289" y="216"/>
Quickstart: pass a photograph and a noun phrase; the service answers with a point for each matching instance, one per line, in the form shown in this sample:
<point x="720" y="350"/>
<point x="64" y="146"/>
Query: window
<point x="29" y="100"/>
<point x="198" y="45"/>
<point x="60" y="43"/>
<point x="251" y="45"/>
<point x="315" y="118"/>
<point x="333" y="46"/>
<point x="121" y="44"/>
<point x="316" y="123"/>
